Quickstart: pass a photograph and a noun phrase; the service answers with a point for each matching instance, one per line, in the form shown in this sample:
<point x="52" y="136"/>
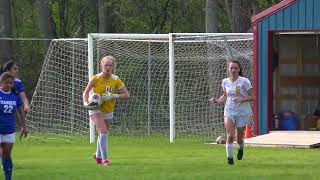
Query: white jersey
<point x="238" y="88"/>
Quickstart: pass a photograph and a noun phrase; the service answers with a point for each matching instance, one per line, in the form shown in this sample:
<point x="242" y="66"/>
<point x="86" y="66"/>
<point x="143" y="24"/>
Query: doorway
<point x="295" y="80"/>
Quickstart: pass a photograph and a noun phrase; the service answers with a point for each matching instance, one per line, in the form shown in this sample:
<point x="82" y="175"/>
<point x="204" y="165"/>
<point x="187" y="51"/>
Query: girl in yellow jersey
<point x="110" y="87"/>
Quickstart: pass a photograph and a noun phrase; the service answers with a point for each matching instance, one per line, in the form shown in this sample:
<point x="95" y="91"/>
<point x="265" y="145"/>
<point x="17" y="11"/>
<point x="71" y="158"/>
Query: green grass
<point x="156" y="159"/>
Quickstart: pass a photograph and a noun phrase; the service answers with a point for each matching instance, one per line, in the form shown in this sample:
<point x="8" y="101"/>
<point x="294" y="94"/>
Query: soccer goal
<point x="170" y="78"/>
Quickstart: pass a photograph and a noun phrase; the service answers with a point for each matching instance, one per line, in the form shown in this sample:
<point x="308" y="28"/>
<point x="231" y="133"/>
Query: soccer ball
<point x="220" y="140"/>
<point x="95" y="99"/>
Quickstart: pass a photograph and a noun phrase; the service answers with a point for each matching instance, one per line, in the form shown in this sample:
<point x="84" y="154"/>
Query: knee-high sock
<point x="7" y="168"/>
<point x="98" y="152"/>
<point x="104" y="145"/>
<point x="240" y="146"/>
<point x="229" y="150"/>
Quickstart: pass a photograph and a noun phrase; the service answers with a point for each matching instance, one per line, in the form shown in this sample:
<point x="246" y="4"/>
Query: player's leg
<point x="6" y="147"/>
<point x="240" y="133"/>
<point x="242" y="121"/>
<point x="98" y="120"/>
<point x="230" y="128"/>
<point x="104" y="139"/>
<point x="1" y="156"/>
<point x="97" y="154"/>
<point x="108" y="123"/>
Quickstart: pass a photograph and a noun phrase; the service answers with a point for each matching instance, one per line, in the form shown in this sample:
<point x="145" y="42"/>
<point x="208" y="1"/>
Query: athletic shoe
<point x="98" y="159"/>
<point x="230" y="161"/>
<point x="240" y="154"/>
<point x="106" y="162"/>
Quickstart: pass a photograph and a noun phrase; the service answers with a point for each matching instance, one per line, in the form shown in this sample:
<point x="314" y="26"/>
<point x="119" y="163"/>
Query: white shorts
<point x="107" y="116"/>
<point x="240" y="120"/>
<point x="8" y="138"/>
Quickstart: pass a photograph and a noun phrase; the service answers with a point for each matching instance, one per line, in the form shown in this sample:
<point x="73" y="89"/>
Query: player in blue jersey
<point x="10" y="102"/>
<point x="13" y="68"/>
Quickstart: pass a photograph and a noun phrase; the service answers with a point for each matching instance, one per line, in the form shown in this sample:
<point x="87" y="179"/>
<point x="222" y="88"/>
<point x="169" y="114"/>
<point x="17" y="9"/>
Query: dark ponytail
<point x="237" y="62"/>
<point x="7" y="66"/>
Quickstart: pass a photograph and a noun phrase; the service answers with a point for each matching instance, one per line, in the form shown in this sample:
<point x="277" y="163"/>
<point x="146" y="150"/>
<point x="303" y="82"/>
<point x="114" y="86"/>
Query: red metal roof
<point x="281" y="5"/>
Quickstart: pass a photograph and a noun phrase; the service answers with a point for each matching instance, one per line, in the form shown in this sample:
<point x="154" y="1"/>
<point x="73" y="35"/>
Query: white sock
<point x="229" y="150"/>
<point x="104" y="145"/>
<point x="240" y="146"/>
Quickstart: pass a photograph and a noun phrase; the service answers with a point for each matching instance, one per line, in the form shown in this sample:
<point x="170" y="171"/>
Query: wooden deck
<point x="296" y="139"/>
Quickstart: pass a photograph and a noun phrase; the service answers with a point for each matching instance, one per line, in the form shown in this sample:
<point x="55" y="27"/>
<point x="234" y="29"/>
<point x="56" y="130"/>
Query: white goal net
<point x="143" y="64"/>
<point x="56" y="106"/>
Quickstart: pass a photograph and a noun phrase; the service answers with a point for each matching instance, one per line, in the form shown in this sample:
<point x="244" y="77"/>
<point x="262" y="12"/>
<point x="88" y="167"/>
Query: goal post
<point x="200" y="65"/>
<point x="90" y="74"/>
<point x="172" y="39"/>
<point x="172" y="89"/>
<point x="118" y="37"/>
<point x="170" y="78"/>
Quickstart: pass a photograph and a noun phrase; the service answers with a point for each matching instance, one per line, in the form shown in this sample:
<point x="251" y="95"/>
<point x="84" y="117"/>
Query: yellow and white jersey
<point x="101" y="85"/>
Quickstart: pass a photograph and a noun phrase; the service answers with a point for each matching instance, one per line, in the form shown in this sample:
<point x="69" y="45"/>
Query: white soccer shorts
<point x="240" y="120"/>
<point x="107" y="116"/>
<point x="8" y="138"/>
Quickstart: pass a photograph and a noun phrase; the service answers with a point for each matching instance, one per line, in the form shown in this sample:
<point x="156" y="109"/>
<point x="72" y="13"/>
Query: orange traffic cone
<point x="248" y="131"/>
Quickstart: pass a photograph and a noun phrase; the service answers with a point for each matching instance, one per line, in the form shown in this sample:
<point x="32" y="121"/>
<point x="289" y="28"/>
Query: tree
<point x="237" y="11"/>
<point x="62" y="19"/>
<point x="47" y="25"/>
<point x="161" y="16"/>
<point x="211" y="16"/>
<point x="107" y="17"/>
<point x="6" y="46"/>
<point x="70" y="17"/>
<point x="81" y="20"/>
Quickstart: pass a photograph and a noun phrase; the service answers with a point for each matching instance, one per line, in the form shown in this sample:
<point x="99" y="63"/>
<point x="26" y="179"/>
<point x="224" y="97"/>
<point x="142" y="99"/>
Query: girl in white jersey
<point x="237" y="92"/>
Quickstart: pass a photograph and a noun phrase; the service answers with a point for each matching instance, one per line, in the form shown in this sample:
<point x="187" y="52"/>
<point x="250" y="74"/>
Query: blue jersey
<point x="18" y="85"/>
<point x="9" y="102"/>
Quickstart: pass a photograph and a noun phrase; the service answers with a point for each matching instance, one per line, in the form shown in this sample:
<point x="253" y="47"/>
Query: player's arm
<point x="85" y="97"/>
<point x="122" y="90"/>
<point x="86" y="91"/>
<point x="20" y="89"/>
<point x="25" y="101"/>
<point x="249" y="88"/>
<point x="247" y="98"/>
<point x="123" y="93"/>
<point x="221" y="99"/>
<point x="22" y="118"/>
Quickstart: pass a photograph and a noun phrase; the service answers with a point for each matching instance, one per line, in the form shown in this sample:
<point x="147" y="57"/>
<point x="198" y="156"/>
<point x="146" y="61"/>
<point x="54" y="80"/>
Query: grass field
<point x="57" y="160"/>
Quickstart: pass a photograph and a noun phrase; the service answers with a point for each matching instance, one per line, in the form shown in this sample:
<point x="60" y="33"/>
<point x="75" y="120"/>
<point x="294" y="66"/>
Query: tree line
<point x="52" y="19"/>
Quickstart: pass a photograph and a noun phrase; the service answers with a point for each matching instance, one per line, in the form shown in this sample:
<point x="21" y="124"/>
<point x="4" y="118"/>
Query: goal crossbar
<point x="170" y="78"/>
<point x="170" y="38"/>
